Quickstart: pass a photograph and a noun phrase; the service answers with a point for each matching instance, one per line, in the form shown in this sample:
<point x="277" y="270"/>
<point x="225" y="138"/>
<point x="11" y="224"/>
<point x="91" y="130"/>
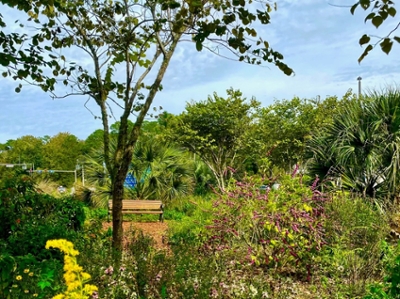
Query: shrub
<point x="29" y="218"/>
<point x="26" y="277"/>
<point x="390" y="287"/>
<point x="280" y="229"/>
<point x="355" y="230"/>
<point x="189" y="229"/>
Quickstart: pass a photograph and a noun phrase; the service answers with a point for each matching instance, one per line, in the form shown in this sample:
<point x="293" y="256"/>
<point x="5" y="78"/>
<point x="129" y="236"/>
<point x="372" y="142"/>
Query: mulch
<point x="157" y="230"/>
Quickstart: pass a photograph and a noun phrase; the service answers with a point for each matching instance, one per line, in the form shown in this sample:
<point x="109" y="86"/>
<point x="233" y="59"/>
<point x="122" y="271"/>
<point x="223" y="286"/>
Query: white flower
<point x="253" y="291"/>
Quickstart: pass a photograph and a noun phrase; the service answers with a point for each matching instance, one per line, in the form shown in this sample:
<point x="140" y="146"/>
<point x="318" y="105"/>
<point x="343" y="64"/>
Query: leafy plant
<point x="390" y="287"/>
<point x="281" y="229"/>
<point x="360" y="150"/>
<point x="75" y="279"/>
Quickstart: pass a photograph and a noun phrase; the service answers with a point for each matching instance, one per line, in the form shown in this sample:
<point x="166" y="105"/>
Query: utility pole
<point x="80" y="166"/>
<point x="359" y="87"/>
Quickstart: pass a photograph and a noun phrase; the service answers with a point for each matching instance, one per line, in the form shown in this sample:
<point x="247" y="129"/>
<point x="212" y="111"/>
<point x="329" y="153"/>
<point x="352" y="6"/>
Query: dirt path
<point x="157" y="230"/>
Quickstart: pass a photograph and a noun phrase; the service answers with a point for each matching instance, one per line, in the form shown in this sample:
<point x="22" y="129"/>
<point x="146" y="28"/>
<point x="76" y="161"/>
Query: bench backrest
<point x="139" y="205"/>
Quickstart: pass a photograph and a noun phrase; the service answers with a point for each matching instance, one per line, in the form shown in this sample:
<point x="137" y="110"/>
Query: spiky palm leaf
<point x="162" y="172"/>
<point x="363" y="145"/>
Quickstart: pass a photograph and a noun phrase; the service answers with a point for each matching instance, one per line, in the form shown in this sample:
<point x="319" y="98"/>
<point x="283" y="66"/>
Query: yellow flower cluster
<point x="74" y="277"/>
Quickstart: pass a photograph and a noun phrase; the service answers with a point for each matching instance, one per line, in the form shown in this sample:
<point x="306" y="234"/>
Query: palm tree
<point x="160" y="170"/>
<point x="362" y="146"/>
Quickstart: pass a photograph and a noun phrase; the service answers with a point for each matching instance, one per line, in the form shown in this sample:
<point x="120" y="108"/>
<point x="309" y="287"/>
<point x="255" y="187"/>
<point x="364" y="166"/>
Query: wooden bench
<point x="140" y="207"/>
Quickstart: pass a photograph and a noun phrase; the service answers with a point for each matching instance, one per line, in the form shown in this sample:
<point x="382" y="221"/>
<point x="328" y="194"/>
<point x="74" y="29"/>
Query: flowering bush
<point x="281" y="229"/>
<point x="74" y="276"/>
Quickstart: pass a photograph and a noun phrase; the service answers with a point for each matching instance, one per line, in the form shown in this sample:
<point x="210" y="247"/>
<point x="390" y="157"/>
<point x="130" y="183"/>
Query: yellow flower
<point x="85" y="276"/>
<point x="19" y="277"/>
<point x="35" y="295"/>
<point x="89" y="289"/>
<point x="74" y="276"/>
<point x="30" y="274"/>
<point x="26" y="271"/>
<point x="26" y="291"/>
<point x="15" y="286"/>
<point x="64" y="245"/>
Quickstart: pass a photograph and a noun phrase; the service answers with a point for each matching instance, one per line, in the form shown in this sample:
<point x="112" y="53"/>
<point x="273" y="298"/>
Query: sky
<point x="318" y="40"/>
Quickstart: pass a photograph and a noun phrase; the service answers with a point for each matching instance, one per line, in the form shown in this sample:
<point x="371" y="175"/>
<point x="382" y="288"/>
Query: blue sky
<point x="319" y="41"/>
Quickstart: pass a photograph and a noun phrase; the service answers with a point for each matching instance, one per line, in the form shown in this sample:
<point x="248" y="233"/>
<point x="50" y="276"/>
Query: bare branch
<point x="88" y="108"/>
<point x="71" y="94"/>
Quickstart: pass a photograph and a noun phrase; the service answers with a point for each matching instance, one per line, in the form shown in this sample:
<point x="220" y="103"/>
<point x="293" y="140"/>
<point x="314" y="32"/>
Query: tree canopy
<point x="215" y="130"/>
<point x="285" y="127"/>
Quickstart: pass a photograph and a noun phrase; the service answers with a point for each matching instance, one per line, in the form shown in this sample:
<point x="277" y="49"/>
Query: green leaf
<point x="365" y="4"/>
<point x="199" y="46"/>
<point x="365" y="53"/>
<point x="383" y="14"/>
<point x="353" y="8"/>
<point x="17" y="90"/>
<point x="364" y="40"/>
<point x="386" y="45"/>
<point x="377" y="21"/>
<point x="391" y="11"/>
<point x="369" y="17"/>
<point x="397" y="39"/>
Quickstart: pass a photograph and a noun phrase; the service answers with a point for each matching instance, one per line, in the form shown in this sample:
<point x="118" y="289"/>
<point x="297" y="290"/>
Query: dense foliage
<point x="360" y="150"/>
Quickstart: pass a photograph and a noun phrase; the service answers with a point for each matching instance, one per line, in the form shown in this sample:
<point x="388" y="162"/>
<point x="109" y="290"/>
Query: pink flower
<point x="109" y="270"/>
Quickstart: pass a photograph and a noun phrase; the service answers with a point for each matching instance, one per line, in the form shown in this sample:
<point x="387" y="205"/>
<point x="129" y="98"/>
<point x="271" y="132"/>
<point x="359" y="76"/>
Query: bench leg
<point x="161" y="217"/>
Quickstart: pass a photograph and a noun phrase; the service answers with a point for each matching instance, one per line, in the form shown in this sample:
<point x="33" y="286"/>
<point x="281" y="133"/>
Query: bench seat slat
<point x="140" y="207"/>
<point x="141" y="212"/>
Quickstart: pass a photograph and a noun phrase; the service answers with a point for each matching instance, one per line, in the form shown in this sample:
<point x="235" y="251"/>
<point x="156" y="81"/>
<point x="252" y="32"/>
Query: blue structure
<point x="130" y="181"/>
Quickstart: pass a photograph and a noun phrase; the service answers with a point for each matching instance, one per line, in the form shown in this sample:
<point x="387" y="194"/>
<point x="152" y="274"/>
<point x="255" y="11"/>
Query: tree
<point x="162" y="171"/>
<point x="130" y="45"/>
<point x="285" y="126"/>
<point x="61" y="153"/>
<point x="94" y="141"/>
<point x="381" y="10"/>
<point x="215" y="130"/>
<point x="26" y="149"/>
<point x="361" y="148"/>
<point x="21" y="55"/>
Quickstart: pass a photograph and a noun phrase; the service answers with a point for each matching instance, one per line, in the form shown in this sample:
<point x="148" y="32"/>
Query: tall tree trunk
<point x="117" y="195"/>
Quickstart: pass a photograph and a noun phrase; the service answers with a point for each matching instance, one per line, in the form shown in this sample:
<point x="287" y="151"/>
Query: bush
<point x="29" y="218"/>
<point x="390" y="287"/>
<point x="355" y="230"/>
<point x="189" y="229"/>
<point x="26" y="277"/>
<point x="281" y="229"/>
